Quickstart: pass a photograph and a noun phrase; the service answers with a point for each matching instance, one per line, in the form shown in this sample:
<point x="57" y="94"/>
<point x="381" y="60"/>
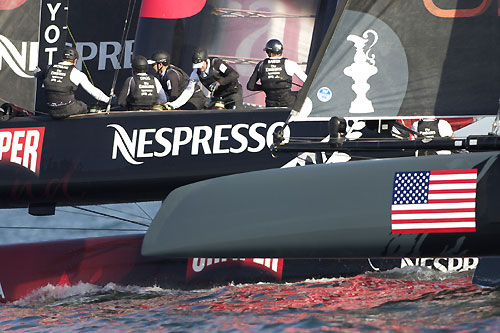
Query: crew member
<point x="141" y="91"/>
<point x="275" y="74"/>
<point x="220" y="79"/>
<point x="430" y="128"/>
<point x="60" y="82"/>
<point x="174" y="80"/>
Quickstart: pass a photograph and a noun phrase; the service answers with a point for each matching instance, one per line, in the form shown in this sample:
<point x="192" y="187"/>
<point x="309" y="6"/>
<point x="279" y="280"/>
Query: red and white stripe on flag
<point x="437" y="201"/>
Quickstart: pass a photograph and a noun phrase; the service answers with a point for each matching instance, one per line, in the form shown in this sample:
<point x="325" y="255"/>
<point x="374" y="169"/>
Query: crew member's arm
<point x="445" y="129"/>
<point x="122" y="97"/>
<point x="252" y="84"/>
<point x="194" y="81"/>
<point x="162" y="97"/>
<point x="228" y="73"/>
<point x="79" y="78"/>
<point x="292" y="68"/>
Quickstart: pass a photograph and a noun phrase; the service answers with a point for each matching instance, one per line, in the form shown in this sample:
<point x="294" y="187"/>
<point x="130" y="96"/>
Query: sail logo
<point x="22" y="57"/>
<point x="22" y="146"/>
<point x="196" y="266"/>
<point x="22" y="61"/>
<point x="324" y="94"/>
<point x="207" y="140"/>
<point x="458" y="13"/>
<point x="361" y="70"/>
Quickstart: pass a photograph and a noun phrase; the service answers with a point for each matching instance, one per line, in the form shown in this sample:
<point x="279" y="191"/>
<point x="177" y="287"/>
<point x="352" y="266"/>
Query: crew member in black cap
<point x="141" y="91"/>
<point x="61" y="81"/>
<point x="275" y="74"/>
<point x="174" y="80"/>
<point x="220" y="79"/>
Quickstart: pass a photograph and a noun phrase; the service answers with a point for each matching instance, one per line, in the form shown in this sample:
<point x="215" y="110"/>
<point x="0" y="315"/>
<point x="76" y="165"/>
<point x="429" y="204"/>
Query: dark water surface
<point x="410" y="299"/>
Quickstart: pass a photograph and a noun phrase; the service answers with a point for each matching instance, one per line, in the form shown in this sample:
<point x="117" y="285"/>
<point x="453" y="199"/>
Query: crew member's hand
<point x="213" y="87"/>
<point x="168" y="106"/>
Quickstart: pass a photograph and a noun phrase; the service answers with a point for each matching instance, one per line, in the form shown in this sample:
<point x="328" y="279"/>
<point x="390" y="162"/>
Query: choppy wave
<point x="408" y="299"/>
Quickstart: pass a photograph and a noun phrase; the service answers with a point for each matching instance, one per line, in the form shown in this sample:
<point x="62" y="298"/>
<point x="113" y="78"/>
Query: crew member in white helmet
<point x="216" y="76"/>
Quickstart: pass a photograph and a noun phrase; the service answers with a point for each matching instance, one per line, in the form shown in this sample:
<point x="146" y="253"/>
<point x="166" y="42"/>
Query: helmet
<point x="274" y="46"/>
<point x="139" y="64"/>
<point x="199" y="56"/>
<point x="70" y="53"/>
<point x="160" y="57"/>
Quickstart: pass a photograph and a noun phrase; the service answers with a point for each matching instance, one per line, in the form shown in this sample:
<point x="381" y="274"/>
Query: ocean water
<point x="388" y="301"/>
<point x="399" y="300"/>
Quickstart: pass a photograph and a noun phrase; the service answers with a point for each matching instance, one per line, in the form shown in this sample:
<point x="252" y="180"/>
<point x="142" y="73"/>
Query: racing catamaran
<point x="141" y="156"/>
<point x="379" y="58"/>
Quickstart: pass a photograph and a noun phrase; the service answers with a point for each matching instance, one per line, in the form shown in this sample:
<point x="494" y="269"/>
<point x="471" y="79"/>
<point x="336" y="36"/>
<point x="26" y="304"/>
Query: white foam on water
<point x="51" y="295"/>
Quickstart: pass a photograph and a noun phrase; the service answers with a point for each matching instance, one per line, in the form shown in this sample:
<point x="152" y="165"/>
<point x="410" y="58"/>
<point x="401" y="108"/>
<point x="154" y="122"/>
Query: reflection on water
<point x="375" y="301"/>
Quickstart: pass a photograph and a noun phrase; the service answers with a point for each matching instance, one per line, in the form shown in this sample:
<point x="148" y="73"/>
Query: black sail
<point x="389" y="58"/>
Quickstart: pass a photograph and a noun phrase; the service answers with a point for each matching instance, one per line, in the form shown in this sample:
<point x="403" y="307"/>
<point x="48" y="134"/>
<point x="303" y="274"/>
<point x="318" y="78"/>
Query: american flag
<point x="434" y="201"/>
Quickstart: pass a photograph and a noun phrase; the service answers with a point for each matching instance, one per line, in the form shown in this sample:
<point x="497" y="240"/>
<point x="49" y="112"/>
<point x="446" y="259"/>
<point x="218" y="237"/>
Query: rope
<point x="241" y="13"/>
<point x="83" y="61"/>
<point x="110" y="216"/>
<point x="145" y="213"/>
<point x="126" y="28"/>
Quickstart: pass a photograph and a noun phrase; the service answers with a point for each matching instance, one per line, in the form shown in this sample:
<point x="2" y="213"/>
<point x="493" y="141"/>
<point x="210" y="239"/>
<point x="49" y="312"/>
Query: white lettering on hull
<point x="219" y="139"/>
<point x="443" y="264"/>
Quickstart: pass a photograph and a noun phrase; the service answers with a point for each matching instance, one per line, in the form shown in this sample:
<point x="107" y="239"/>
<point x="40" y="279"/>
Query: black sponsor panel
<point x="52" y="37"/>
<point x="127" y="156"/>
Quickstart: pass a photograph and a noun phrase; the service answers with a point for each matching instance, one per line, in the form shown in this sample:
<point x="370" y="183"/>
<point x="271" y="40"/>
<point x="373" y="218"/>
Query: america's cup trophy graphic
<point x="361" y="70"/>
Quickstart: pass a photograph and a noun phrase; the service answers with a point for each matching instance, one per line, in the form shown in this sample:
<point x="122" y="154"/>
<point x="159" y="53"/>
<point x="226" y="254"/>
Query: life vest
<point x="429" y="128"/>
<point x="59" y="89"/>
<point x="181" y="75"/>
<point x="144" y="93"/>
<point x="273" y="75"/>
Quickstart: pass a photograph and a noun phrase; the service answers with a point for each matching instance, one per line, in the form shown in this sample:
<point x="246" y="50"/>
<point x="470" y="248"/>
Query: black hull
<point x="89" y="159"/>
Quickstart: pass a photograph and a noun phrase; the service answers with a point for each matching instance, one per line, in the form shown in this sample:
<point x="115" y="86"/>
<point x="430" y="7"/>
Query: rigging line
<point x="255" y="93"/>
<point x="245" y="13"/>
<point x="83" y="61"/>
<point x="111" y="216"/>
<point x="126" y="28"/>
<point x="93" y="215"/>
<point x="71" y="228"/>
<point x="142" y="209"/>
<point x="125" y="213"/>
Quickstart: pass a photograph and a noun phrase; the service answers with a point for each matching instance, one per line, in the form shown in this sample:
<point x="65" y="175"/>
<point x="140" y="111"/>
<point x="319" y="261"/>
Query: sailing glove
<point x="213" y="87"/>
<point x="168" y="106"/>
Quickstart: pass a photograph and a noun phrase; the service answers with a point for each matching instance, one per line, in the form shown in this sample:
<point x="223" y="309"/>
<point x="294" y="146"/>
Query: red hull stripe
<point x="436" y="201"/>
<point x="424" y="211"/>
<point x="453" y="172"/>
<point x="433" y="231"/>
<point x="436" y="220"/>
<point x="445" y="220"/>
<point x="473" y="190"/>
<point x="453" y="181"/>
